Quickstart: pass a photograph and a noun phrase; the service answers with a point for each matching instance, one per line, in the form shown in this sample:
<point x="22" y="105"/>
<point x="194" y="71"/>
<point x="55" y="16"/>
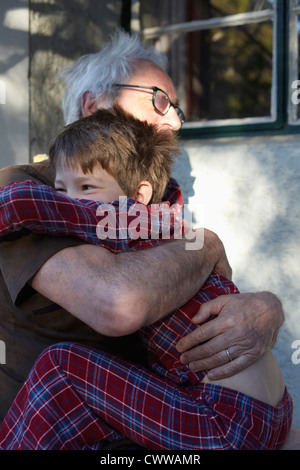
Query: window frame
<point x="293" y="64"/>
<point x="282" y="108"/>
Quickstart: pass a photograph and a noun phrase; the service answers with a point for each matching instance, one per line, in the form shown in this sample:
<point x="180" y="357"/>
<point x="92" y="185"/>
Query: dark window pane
<point x="222" y="73"/>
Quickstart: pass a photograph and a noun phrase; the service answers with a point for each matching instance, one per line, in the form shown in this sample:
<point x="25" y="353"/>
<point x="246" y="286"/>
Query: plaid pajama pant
<point x="81" y="398"/>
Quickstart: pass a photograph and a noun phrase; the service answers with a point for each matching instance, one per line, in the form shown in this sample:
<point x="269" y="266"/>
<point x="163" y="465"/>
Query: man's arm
<point x="118" y="294"/>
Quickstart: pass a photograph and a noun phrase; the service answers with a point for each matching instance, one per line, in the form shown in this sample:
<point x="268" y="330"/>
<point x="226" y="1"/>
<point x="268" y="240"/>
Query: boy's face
<point x="96" y="186"/>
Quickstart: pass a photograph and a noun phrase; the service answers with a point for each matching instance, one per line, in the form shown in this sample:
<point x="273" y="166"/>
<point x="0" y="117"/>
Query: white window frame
<point x="219" y="22"/>
<point x="293" y="92"/>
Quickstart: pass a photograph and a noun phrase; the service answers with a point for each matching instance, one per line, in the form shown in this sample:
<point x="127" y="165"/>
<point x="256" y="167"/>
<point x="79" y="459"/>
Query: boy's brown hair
<point x="129" y="149"/>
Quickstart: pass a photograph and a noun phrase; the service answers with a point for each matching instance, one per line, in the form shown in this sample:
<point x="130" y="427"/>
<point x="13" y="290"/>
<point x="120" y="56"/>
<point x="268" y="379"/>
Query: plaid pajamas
<point x="78" y="398"/>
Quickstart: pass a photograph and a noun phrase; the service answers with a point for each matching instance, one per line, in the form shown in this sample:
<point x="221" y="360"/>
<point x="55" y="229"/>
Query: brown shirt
<point x="29" y="322"/>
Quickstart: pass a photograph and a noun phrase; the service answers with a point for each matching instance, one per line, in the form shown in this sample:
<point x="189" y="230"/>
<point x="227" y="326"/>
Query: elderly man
<point x="55" y="289"/>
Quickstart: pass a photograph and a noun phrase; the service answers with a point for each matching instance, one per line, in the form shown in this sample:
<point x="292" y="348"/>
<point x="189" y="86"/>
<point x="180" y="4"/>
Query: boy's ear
<point x="143" y="193"/>
<point x="89" y="104"/>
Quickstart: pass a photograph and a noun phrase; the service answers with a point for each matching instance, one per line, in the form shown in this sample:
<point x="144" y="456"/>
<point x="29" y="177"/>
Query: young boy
<point x="100" y="158"/>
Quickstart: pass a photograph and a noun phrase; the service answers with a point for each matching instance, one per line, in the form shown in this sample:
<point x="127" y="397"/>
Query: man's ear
<point x="88" y="104"/>
<point x="143" y="193"/>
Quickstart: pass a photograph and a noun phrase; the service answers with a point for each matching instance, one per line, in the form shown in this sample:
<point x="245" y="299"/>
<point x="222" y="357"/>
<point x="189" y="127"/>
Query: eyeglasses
<point x="160" y="100"/>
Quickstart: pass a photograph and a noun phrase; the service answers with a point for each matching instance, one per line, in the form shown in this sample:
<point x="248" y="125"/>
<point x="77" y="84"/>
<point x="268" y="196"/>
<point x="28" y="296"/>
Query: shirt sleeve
<point x="20" y="259"/>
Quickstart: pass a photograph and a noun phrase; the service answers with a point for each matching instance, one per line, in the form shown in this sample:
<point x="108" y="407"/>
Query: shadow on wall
<point x="6" y="148"/>
<point x="69" y="28"/>
<point x="60" y="33"/>
<point x="12" y="39"/>
<point x="248" y="193"/>
<point x="270" y="221"/>
<point x="13" y="82"/>
<point x="182" y="172"/>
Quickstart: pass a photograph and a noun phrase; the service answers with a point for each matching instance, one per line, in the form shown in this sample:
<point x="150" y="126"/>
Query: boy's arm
<point x="42" y="210"/>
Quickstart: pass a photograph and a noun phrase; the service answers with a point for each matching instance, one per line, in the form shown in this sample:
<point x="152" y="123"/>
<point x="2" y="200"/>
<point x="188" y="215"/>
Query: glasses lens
<point x="161" y="102"/>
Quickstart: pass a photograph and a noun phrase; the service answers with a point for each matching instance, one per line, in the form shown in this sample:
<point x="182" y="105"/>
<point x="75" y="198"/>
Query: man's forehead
<point x="150" y="74"/>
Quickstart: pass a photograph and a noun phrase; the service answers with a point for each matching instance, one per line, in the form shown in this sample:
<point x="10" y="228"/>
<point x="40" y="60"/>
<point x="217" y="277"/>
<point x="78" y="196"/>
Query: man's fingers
<point x="210" y="351"/>
<point x="211" y="308"/>
<point x="212" y="356"/>
<point x="220" y="366"/>
<point x="231" y="368"/>
<point x="212" y="362"/>
<point x="207" y="331"/>
<point x="206" y="363"/>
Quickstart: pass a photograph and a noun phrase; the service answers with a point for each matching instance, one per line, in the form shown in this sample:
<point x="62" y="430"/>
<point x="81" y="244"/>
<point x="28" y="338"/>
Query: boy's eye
<point x="60" y="190"/>
<point x="86" y="187"/>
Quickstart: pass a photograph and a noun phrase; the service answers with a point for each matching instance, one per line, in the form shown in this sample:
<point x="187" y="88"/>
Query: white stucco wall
<point x="14" y="89"/>
<point x="247" y="190"/>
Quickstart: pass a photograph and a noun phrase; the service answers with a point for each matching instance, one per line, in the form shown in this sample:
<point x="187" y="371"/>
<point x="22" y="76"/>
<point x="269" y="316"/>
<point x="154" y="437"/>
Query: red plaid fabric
<point x="118" y="226"/>
<point x="79" y="398"/>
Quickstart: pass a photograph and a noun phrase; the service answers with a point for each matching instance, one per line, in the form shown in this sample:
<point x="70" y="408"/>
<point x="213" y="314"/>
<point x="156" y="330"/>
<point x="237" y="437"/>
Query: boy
<point x="100" y="158"/>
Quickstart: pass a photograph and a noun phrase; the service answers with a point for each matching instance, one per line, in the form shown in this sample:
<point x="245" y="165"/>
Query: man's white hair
<point x="97" y="72"/>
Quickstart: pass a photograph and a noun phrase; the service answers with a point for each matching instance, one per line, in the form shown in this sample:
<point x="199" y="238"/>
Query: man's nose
<point x="172" y="119"/>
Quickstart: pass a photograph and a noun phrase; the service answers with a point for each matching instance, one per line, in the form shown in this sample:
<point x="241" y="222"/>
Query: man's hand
<point x="247" y="324"/>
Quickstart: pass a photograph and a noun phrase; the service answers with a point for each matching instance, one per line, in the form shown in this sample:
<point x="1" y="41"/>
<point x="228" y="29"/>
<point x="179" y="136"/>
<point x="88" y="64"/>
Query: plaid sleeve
<point x="116" y="226"/>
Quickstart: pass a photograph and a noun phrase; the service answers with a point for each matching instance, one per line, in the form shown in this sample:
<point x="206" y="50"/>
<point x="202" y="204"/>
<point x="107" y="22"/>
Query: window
<point x="294" y="69"/>
<point x="234" y="63"/>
